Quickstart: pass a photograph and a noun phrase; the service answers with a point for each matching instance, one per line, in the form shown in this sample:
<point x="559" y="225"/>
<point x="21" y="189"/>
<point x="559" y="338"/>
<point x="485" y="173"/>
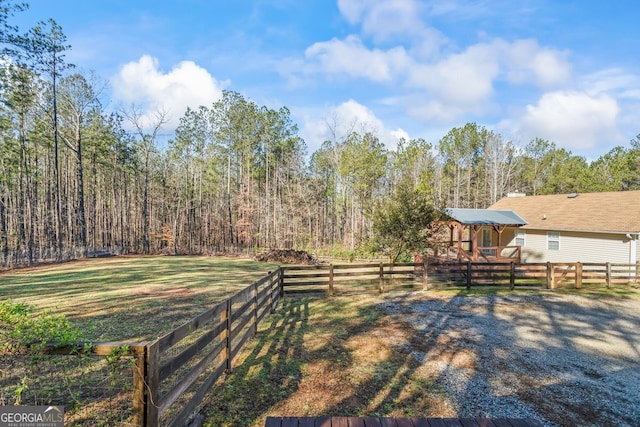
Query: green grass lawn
<point x="131" y="298"/>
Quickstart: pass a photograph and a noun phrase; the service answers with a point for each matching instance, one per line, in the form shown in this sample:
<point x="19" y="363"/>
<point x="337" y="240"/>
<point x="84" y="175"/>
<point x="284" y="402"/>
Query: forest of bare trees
<point x="77" y="180"/>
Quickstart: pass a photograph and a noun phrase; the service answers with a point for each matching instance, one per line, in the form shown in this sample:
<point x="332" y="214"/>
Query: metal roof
<point x="485" y="216"/>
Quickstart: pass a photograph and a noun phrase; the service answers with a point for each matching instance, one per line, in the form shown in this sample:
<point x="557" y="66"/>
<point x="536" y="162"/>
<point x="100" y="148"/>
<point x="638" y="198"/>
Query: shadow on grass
<point x="463" y="354"/>
<point x="394" y="387"/>
<point x="269" y="373"/>
<point x="321" y="357"/>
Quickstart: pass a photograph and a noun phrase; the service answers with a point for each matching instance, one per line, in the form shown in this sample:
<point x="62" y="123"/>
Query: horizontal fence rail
<point x="349" y="278"/>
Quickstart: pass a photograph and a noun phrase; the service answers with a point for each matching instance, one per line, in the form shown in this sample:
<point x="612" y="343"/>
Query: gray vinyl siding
<point x="573" y="247"/>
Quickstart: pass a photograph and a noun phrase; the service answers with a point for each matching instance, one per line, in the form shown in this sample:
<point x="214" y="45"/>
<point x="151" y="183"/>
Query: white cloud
<point x="527" y="62"/>
<point x="573" y="120"/>
<point x="624" y="86"/>
<point x="613" y="80"/>
<point x="341" y="120"/>
<point x="352" y="10"/>
<point x="468" y="76"/>
<point x="145" y="85"/>
<point x="461" y="79"/>
<point x="382" y="19"/>
<point x="465" y="81"/>
<point x="435" y="111"/>
<point x="352" y="58"/>
<point x="453" y="85"/>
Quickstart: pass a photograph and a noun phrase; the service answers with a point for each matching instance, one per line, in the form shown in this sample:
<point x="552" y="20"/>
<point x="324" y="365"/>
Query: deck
<point x="398" y="422"/>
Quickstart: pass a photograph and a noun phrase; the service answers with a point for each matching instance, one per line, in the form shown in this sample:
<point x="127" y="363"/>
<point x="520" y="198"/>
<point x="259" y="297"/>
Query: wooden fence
<point x="210" y="342"/>
<point x="349" y="278"/>
<point x="174" y="372"/>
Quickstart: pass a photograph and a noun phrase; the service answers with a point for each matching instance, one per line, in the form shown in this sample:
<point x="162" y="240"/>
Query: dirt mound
<point x="287" y="256"/>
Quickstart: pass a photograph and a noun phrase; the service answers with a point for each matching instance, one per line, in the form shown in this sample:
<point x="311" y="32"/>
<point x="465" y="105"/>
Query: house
<point x="585" y="227"/>
<point x="476" y="235"/>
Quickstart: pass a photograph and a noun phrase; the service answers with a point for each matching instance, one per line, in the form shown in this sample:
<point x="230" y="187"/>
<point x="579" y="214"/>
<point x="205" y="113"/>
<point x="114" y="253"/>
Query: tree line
<point x="77" y="180"/>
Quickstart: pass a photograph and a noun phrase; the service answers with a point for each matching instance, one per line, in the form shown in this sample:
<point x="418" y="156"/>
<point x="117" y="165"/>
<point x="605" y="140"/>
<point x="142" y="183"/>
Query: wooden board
<point x="396" y="422"/>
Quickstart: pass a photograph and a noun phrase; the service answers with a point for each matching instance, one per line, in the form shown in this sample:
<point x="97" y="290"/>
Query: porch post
<point x="459" y="230"/>
<point x="474" y="242"/>
<point x="632" y="259"/>
<point x="451" y="227"/>
<point x="499" y="229"/>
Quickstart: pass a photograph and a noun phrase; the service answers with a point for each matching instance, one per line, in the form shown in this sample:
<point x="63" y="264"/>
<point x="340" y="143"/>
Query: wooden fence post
<point x="255" y="307"/>
<point x="608" y="275"/>
<point x="146" y="380"/>
<point x="139" y="400"/>
<point x="153" y="383"/>
<point x="550" y="284"/>
<point x="425" y="277"/>
<point x="270" y="285"/>
<point x="281" y="281"/>
<point x="579" y="275"/>
<point x="512" y="276"/>
<point x="381" y="278"/>
<point x="468" y="274"/>
<point x="228" y="339"/>
<point x="330" y="280"/>
<point x="637" y="270"/>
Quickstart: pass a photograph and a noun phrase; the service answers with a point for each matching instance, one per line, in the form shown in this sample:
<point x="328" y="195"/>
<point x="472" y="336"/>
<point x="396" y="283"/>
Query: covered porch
<point x="475" y="235"/>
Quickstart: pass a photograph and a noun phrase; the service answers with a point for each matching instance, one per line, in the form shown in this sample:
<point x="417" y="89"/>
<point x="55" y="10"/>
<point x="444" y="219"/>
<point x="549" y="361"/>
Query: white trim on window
<point x="553" y="240"/>
<point x="519" y="239"/>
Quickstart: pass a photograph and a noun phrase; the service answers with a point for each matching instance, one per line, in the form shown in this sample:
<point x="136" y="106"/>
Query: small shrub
<point x="405" y="257"/>
<point x="21" y="329"/>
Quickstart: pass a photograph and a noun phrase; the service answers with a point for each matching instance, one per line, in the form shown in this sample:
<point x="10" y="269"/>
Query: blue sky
<point x="563" y="70"/>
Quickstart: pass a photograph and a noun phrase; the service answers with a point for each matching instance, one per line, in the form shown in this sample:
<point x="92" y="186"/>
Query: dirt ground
<point x="562" y="359"/>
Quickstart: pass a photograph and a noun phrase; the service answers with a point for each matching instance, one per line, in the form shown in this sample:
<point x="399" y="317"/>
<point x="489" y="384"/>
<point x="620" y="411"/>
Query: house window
<point x="553" y="241"/>
<point x="520" y="237"/>
<point x="486" y="237"/>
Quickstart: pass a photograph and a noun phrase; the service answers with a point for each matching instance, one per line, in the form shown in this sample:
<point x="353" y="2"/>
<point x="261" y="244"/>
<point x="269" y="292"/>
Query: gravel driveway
<point x="562" y="359"/>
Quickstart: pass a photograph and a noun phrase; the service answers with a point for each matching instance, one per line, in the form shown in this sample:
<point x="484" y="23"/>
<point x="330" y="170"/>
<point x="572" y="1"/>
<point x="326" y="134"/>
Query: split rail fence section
<point x="355" y="278"/>
<point x="172" y="374"/>
<point x="198" y="352"/>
